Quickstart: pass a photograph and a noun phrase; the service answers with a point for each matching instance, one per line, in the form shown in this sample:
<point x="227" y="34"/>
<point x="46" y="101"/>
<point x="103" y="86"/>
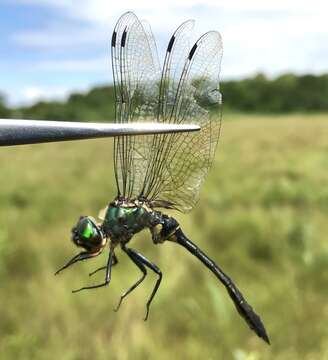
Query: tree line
<point x="283" y="94"/>
<point x="286" y="93"/>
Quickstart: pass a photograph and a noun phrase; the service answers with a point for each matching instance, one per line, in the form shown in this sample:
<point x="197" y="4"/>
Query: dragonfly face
<point x="88" y="234"/>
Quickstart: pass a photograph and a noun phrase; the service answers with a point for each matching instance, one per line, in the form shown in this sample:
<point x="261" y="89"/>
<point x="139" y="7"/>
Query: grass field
<point x="262" y="216"/>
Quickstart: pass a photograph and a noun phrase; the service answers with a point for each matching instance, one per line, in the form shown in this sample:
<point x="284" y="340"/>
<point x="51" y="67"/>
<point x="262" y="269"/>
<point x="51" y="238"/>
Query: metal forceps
<point x="20" y="132"/>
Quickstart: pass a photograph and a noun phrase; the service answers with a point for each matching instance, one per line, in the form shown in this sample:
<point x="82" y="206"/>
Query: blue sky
<point x="49" y="48"/>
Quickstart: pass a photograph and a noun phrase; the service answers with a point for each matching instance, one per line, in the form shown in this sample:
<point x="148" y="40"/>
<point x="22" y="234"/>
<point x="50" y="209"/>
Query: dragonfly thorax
<point x="123" y="220"/>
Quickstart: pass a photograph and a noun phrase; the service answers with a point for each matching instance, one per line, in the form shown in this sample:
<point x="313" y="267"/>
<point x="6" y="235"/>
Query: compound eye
<point x="86" y="233"/>
<point x="86" y="229"/>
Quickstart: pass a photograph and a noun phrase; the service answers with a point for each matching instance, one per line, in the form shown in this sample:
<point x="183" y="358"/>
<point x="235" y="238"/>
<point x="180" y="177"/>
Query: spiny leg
<point x="244" y="309"/>
<point x="142" y="259"/>
<point x="84" y="255"/>
<point x="108" y="274"/>
<point x="132" y="255"/>
<point x="158" y="282"/>
<point x="115" y="261"/>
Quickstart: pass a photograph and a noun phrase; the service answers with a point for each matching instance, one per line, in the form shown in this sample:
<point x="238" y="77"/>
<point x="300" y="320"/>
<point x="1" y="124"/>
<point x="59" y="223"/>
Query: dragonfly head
<point x="87" y="234"/>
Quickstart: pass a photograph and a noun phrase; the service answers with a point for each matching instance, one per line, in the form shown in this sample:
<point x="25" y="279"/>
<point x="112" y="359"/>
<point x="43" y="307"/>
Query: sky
<point x="50" y="48"/>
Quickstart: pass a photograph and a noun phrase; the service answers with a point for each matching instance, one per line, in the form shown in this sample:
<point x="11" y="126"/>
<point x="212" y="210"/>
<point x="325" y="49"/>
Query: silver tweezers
<point x="19" y="132"/>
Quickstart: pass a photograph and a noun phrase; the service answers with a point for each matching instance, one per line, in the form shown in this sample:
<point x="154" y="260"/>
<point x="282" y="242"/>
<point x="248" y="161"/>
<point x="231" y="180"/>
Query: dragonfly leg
<point x="243" y="308"/>
<point x="132" y="255"/>
<point x="84" y="255"/>
<point x="142" y="260"/>
<point x="156" y="270"/>
<point x="115" y="261"/>
<point x="108" y="274"/>
<point x="158" y="282"/>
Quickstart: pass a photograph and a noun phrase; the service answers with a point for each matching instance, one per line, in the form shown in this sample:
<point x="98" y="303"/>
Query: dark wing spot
<point x="114" y="39"/>
<point x="169" y="47"/>
<point x="192" y="51"/>
<point x="123" y="38"/>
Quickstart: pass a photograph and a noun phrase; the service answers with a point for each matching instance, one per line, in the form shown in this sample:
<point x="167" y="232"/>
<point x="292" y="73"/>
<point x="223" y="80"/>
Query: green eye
<point x="87" y="234"/>
<point x="85" y="229"/>
<point x="88" y="231"/>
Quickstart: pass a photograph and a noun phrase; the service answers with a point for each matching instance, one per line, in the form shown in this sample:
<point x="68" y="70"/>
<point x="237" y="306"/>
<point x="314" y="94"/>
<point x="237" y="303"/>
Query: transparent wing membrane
<point x="136" y="75"/>
<point x="166" y="169"/>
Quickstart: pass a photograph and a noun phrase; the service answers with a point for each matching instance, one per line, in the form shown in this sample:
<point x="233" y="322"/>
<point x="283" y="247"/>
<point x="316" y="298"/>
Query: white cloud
<point x="53" y="3"/>
<point x="101" y="64"/>
<point x="254" y="21"/>
<point x="101" y="11"/>
<point x="270" y="36"/>
<point x="30" y="94"/>
<point x="60" y="38"/>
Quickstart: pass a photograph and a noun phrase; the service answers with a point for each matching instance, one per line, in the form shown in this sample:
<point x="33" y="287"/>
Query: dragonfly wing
<point x="176" y="53"/>
<point x="167" y="169"/>
<point x="136" y="75"/>
<point x="121" y="93"/>
<point x="183" y="160"/>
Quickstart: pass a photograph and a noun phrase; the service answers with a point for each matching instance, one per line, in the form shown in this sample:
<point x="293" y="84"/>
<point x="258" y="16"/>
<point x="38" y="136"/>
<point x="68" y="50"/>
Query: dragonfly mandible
<point x="163" y="171"/>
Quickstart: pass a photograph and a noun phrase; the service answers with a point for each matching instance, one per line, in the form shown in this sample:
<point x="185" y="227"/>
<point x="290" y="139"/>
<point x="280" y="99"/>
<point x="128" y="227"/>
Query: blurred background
<point x="263" y="210"/>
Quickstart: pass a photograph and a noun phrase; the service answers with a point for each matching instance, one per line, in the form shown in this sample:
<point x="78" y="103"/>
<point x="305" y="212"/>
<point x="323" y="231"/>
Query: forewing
<point x="136" y="78"/>
<point x="176" y="54"/>
<point x="185" y="158"/>
<point x="167" y="169"/>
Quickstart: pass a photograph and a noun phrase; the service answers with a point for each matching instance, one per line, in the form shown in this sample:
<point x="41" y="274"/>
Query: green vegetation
<point x="95" y="105"/>
<point x="262" y="216"/>
<point x="4" y="111"/>
<point x="284" y="94"/>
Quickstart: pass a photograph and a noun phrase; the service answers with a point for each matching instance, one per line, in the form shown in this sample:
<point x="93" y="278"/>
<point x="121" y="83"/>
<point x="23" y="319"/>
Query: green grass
<point x="262" y="216"/>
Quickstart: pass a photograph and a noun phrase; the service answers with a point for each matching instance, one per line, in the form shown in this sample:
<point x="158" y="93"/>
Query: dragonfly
<point x="163" y="171"/>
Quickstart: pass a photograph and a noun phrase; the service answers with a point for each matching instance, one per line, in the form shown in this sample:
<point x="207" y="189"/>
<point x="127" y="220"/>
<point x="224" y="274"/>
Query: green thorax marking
<point x="121" y="220"/>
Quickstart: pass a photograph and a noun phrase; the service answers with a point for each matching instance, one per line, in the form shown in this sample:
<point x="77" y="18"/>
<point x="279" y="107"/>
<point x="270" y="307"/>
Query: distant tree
<point x="285" y="93"/>
<point x="96" y="105"/>
<point x="4" y="111"/>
